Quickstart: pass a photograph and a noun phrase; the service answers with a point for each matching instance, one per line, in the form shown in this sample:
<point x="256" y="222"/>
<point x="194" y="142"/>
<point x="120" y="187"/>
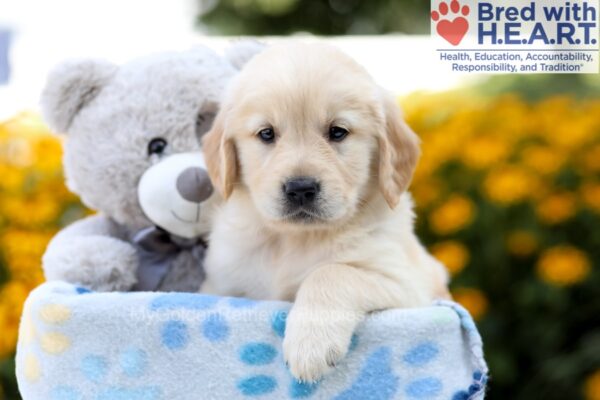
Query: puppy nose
<point x="193" y="184"/>
<point x="301" y="191"/>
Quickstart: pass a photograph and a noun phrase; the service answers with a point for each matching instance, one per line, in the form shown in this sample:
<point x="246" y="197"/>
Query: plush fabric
<point x="125" y="125"/>
<point x="77" y="344"/>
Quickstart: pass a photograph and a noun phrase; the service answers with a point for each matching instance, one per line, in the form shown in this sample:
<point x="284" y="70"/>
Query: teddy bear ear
<point x="241" y="51"/>
<point x="70" y="86"/>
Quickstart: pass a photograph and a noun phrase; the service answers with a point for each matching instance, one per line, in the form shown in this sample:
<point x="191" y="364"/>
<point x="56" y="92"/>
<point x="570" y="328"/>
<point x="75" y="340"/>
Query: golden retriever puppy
<point x="313" y="160"/>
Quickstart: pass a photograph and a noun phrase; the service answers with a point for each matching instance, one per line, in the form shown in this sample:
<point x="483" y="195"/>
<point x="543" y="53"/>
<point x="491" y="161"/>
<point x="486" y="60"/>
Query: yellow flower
<point x="16" y="151"/>
<point x="12" y="178"/>
<point x="590" y="194"/>
<point x="31" y="278"/>
<point x="483" y="151"/>
<point x="425" y="169"/>
<point x="563" y="265"/>
<point x="573" y="131"/>
<point x="454" y="255"/>
<point x="508" y="113"/>
<point x="22" y="262"/>
<point x="16" y="242"/>
<point x="426" y="192"/>
<point x="509" y="184"/>
<point x="456" y="213"/>
<point x="521" y="243"/>
<point x="25" y="268"/>
<point x="27" y="142"/>
<point x="12" y="296"/>
<point x="591" y="159"/>
<point x="26" y="124"/>
<point x="592" y="386"/>
<point x="563" y="123"/>
<point x="473" y="300"/>
<point x="543" y="159"/>
<point x="31" y="211"/>
<point x="557" y="208"/>
<point x="9" y="328"/>
<point x="48" y="153"/>
<point x="437" y="149"/>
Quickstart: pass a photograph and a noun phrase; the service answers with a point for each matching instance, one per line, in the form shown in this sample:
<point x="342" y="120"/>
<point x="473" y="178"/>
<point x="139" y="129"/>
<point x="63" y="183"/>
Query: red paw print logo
<point x="453" y="30"/>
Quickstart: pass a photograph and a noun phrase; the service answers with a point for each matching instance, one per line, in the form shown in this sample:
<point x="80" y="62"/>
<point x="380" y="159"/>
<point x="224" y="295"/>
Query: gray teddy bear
<point x="133" y="154"/>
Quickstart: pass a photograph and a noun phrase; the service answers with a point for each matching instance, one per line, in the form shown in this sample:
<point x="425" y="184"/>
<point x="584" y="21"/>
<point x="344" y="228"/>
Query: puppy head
<point x="309" y="135"/>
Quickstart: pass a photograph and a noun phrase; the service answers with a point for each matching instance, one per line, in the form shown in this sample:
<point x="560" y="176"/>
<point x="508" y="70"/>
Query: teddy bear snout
<point x="193" y="184"/>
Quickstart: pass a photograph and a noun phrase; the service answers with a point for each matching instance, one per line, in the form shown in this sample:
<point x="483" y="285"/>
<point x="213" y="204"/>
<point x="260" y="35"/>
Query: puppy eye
<point x="337" y="133"/>
<point x="157" y="146"/>
<point x="267" y="135"/>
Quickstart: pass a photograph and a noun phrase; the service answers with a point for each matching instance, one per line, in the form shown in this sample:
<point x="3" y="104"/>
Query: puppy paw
<point x="313" y="345"/>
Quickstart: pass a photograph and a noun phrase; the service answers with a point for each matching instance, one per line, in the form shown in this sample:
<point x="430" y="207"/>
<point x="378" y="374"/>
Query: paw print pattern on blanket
<point x="62" y="355"/>
<point x="256" y="354"/>
<point x="95" y="368"/>
<point x="43" y="328"/>
<point x="263" y="353"/>
<point x="377" y="381"/>
<point x="50" y="341"/>
<point x="132" y="363"/>
<point x="175" y="333"/>
<point x="420" y="356"/>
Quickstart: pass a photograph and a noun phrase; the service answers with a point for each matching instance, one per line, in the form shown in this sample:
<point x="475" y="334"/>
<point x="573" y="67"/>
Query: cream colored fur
<point x="360" y="253"/>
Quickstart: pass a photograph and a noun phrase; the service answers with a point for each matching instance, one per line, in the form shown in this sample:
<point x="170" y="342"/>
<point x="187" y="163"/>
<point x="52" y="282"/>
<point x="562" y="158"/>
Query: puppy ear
<point x="220" y="156"/>
<point x="69" y="87"/>
<point x="398" y="152"/>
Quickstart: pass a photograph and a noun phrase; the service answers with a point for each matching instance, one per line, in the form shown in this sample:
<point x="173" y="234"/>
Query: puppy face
<point x="309" y="135"/>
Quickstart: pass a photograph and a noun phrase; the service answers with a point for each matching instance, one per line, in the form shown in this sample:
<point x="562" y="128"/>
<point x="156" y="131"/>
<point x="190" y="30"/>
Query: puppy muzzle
<point x="302" y="194"/>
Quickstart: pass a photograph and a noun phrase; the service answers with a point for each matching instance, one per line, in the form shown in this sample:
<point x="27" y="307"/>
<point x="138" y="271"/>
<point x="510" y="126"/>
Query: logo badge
<point x="450" y="22"/>
<point x="516" y="36"/>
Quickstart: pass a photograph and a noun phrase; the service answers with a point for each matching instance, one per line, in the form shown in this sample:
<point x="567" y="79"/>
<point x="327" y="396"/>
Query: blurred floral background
<point x="34" y="204"/>
<point x="508" y="197"/>
<point x="507" y="194"/>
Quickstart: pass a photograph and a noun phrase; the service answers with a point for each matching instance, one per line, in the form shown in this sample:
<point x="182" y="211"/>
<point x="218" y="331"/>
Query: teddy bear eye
<point x="157" y="146"/>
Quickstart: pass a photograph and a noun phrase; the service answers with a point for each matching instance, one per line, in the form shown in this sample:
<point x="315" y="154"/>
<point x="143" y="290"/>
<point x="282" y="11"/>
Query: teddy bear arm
<point x="92" y="252"/>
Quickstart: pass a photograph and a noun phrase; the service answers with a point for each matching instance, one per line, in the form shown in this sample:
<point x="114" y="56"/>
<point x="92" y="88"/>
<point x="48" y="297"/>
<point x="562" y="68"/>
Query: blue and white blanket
<point x="75" y="344"/>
